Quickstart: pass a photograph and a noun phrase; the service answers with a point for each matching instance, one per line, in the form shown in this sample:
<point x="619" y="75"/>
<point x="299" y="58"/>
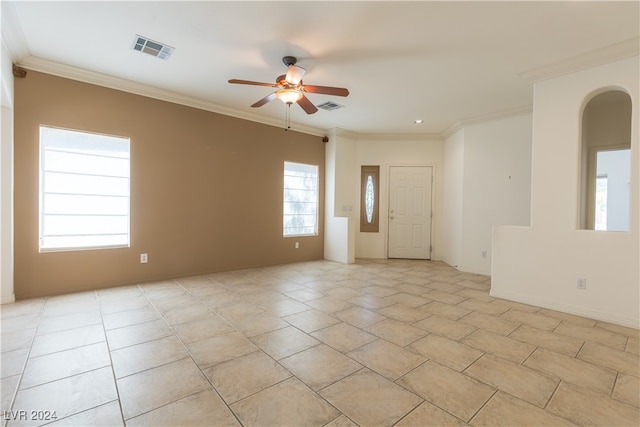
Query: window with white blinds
<point x="84" y="190"/>
<point x="300" y="210"/>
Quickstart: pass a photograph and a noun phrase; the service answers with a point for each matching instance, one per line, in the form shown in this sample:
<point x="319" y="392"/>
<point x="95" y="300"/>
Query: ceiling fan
<point x="290" y="88"/>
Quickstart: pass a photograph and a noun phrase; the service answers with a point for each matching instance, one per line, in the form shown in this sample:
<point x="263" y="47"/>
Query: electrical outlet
<point x="581" y="283"/>
<point x="484" y="254"/>
<point x="297" y="245"/>
<point x="144" y="258"/>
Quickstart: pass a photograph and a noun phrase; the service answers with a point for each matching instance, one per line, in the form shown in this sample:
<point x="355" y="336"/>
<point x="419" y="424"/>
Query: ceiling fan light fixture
<point x="289" y="88"/>
<point x="289" y="96"/>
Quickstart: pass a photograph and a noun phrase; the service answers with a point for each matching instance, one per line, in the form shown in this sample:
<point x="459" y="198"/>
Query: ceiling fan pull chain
<point x="288" y="117"/>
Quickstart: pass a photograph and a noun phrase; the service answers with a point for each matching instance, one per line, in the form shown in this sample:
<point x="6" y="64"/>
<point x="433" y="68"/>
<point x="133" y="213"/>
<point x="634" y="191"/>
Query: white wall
<point x="482" y="177"/>
<point x="397" y="152"/>
<point x="453" y="177"/>
<point x="487" y="183"/>
<point x="540" y="264"/>
<point x="496" y="185"/>
<point x="6" y="179"/>
<point x="339" y="228"/>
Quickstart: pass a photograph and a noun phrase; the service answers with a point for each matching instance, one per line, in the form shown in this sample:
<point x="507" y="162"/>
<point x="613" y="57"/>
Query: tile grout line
<point x="26" y="361"/>
<point x="484" y="404"/>
<point x="292" y="375"/>
<point x="70" y="376"/>
<point x="190" y="355"/>
<point x="113" y="373"/>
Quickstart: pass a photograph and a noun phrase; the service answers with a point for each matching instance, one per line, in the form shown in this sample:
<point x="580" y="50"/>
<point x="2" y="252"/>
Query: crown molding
<point x="614" y="52"/>
<point x="510" y="112"/>
<point x="355" y="136"/>
<point x="423" y="137"/>
<point x="504" y="114"/>
<point x="342" y="133"/>
<point x="86" y="76"/>
<point x="451" y="130"/>
<point x="611" y="53"/>
<point x="12" y="34"/>
<point x="74" y="73"/>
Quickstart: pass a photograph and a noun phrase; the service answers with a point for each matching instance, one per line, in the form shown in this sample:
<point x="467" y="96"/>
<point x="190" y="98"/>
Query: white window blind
<point x="300" y="210"/>
<point x="84" y="190"/>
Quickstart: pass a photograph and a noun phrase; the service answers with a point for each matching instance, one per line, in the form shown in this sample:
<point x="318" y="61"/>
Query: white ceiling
<point x="443" y="62"/>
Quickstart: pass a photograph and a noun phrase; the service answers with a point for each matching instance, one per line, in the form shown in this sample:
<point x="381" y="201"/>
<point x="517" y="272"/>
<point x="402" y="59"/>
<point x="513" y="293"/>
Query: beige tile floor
<point x="408" y="343"/>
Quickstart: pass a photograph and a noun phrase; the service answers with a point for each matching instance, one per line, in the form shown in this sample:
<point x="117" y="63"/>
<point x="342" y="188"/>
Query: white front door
<point x="410" y="212"/>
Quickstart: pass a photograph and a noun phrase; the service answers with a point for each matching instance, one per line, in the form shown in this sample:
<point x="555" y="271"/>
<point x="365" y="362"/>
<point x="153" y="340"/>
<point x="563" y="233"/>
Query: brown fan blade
<point x="264" y="100"/>
<point x="307" y="105"/>
<point x="249" y="82"/>
<point x="327" y="90"/>
<point x="294" y="74"/>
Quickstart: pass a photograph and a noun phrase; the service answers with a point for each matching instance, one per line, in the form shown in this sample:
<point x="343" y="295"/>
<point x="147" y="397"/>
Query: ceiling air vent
<point x="153" y="48"/>
<point x="330" y="106"/>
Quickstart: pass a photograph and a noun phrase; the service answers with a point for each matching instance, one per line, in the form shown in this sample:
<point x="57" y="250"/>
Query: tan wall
<point x="206" y="189"/>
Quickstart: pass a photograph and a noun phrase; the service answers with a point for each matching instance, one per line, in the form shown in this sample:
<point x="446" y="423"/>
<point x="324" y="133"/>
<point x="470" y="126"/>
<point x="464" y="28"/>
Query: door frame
<point x="433" y="204"/>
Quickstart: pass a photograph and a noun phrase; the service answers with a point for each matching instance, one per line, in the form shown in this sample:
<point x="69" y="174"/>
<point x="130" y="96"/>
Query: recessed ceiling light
<point x="418" y="122"/>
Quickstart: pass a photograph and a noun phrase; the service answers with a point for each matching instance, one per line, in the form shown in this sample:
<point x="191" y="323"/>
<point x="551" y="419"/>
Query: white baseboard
<point x="8" y="299"/>
<point x="567" y="308"/>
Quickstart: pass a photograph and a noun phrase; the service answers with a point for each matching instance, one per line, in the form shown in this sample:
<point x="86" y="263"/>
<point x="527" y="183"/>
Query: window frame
<point x="315" y="203"/>
<point x="48" y="147"/>
<point x="592" y="179"/>
<point x="598" y="219"/>
<point x="374" y="173"/>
